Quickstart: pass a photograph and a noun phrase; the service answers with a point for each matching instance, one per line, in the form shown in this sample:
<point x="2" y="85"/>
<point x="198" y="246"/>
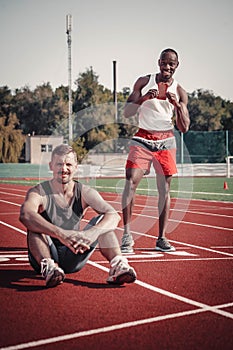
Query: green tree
<point x="206" y="111"/>
<point x="40" y="111"/>
<point x="89" y="92"/>
<point x="94" y="112"/>
<point x="227" y="116"/>
<point x="5" y="100"/>
<point x="11" y="139"/>
<point x="79" y="148"/>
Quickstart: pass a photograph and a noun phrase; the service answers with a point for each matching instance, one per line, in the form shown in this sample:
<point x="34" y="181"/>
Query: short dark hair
<point x="63" y="149"/>
<point x="169" y="50"/>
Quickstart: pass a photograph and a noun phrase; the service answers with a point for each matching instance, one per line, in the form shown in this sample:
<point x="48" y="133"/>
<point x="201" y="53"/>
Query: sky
<point x="34" y="48"/>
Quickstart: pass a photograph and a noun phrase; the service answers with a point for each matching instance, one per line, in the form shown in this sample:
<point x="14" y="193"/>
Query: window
<point x="43" y="148"/>
<point x="46" y="148"/>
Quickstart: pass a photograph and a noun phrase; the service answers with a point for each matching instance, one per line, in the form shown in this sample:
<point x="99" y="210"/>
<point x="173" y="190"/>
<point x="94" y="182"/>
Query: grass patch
<point x="207" y="188"/>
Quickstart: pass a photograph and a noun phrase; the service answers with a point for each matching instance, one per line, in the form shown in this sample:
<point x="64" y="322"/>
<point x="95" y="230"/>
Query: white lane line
<point x="186" y="244"/>
<point x="182" y="243"/>
<point x="203" y="248"/>
<point x="172" y="191"/>
<point x="141" y="260"/>
<point x="13" y="194"/>
<point x="156" y="218"/>
<point x="7" y="202"/>
<point x="202" y="308"/>
<point x="100" y="330"/>
<point x="172" y="295"/>
<point x="13" y="227"/>
<point x="11" y="265"/>
<point x="149" y="207"/>
<point x="4" y="255"/>
<point x="15" y="189"/>
<point x="188" y="223"/>
<point x="112" y="328"/>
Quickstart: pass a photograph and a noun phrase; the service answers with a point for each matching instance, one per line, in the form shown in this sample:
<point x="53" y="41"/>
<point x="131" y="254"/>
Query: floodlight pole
<point x="115" y="99"/>
<point x="114" y="90"/>
<point x="68" y="32"/>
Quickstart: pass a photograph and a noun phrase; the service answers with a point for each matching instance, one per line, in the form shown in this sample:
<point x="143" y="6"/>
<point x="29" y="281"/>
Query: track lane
<point x="138" y="310"/>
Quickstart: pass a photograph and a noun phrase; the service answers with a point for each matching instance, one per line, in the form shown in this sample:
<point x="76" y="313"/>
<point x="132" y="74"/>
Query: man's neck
<point x="62" y="188"/>
<point x="159" y="79"/>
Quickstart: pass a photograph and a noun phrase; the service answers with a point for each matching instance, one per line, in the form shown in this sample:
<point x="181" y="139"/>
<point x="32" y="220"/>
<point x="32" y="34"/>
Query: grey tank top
<point x="67" y="218"/>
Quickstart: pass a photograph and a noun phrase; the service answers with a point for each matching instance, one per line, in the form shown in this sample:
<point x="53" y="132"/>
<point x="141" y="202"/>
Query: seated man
<point x="52" y="212"/>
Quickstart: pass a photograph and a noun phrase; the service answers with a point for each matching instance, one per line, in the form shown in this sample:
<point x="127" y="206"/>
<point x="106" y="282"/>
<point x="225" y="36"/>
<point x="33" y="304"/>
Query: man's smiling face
<point x="63" y="167"/>
<point x="168" y="63"/>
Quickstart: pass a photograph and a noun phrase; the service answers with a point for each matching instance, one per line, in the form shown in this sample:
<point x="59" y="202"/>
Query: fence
<point x="199" y="153"/>
<point x="204" y="146"/>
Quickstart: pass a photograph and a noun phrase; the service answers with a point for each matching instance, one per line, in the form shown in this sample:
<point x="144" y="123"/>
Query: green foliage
<point x="11" y="139"/>
<point x="89" y="92"/>
<point x="40" y="111"/>
<point x="5" y="100"/>
<point x="79" y="148"/>
<point x="208" y="112"/>
<point x="94" y="117"/>
<point x="45" y="112"/>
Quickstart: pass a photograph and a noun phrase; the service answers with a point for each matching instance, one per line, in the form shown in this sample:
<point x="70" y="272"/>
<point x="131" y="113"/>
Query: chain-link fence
<point x="204" y="146"/>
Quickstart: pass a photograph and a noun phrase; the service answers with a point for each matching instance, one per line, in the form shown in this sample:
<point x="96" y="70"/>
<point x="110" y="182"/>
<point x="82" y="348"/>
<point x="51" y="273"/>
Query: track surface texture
<point x="181" y="300"/>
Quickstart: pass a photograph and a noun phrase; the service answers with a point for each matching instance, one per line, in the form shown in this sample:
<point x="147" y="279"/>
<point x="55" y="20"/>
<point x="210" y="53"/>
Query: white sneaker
<point x="127" y="243"/>
<point x="53" y="274"/>
<point x="120" y="271"/>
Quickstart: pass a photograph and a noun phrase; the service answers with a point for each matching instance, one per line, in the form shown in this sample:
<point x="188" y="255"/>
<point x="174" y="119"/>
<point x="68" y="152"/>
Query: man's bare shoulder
<point x="182" y="94"/>
<point x="36" y="189"/>
<point x="137" y="89"/>
<point x="92" y="198"/>
<point x="141" y="82"/>
<point x="89" y="192"/>
<point x="36" y="192"/>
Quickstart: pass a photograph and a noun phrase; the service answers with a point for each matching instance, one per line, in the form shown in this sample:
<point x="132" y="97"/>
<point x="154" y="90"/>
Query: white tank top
<point x="157" y="114"/>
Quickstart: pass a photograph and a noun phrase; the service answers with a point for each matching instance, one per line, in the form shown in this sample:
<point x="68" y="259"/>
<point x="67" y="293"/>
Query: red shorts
<point x="164" y="161"/>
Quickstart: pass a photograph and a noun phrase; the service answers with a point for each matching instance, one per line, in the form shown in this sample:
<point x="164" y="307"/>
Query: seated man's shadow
<point x="29" y="281"/>
<point x="92" y="285"/>
<point x="20" y="280"/>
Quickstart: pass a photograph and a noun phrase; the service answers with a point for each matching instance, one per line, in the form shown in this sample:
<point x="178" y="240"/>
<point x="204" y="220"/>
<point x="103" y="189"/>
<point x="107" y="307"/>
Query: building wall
<point x="39" y="148"/>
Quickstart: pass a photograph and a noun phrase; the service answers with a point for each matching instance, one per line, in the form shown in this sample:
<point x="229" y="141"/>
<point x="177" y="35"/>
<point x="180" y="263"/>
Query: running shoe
<point x="127" y="243"/>
<point x="121" y="272"/>
<point x="53" y="274"/>
<point x="163" y="245"/>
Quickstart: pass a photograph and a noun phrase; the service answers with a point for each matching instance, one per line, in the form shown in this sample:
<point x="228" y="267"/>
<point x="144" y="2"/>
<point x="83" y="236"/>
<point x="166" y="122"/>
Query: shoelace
<point x="127" y="240"/>
<point x="45" y="267"/>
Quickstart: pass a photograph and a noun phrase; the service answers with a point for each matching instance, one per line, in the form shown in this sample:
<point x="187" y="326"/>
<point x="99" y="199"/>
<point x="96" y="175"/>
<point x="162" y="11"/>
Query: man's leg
<point x="133" y="177"/>
<point x="41" y="254"/>
<point x="38" y="246"/>
<point x="120" y="271"/>
<point x="163" y="185"/>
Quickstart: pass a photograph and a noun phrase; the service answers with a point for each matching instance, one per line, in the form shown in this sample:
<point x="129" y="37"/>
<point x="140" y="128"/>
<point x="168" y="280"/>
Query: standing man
<point x="156" y="98"/>
<point x="52" y="212"/>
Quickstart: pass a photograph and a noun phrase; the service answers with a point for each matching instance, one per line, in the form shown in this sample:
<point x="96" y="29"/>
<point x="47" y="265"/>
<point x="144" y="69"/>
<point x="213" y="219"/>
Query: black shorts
<point x="65" y="258"/>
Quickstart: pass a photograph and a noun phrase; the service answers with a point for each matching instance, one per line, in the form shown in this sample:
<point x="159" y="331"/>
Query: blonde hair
<point x="63" y="149"/>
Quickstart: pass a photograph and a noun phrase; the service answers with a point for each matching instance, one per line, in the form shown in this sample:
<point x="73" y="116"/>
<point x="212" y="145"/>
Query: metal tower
<point x="68" y="32"/>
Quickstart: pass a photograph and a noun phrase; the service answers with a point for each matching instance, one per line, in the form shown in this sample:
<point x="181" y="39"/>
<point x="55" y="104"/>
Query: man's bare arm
<point x="91" y="198"/>
<point x="181" y="110"/>
<point x="30" y="217"/>
<point x="136" y="98"/>
<point x="33" y="221"/>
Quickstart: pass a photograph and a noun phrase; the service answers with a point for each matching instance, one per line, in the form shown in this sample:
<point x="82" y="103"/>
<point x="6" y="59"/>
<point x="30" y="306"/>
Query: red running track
<point x="181" y="300"/>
